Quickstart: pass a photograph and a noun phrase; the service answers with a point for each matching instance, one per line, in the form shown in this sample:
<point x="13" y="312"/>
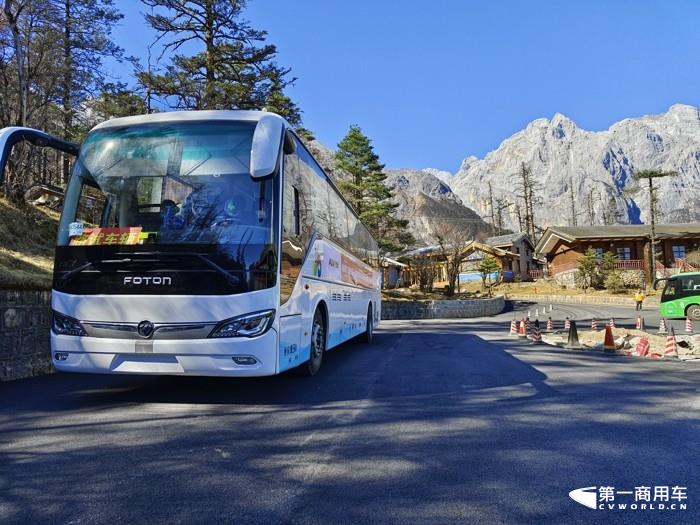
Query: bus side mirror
<point x="264" y="155"/>
<point x="12" y="135"/>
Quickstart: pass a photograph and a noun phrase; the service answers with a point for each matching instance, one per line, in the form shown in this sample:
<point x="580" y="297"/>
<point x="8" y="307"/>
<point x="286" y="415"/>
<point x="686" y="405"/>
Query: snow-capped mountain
<point x="598" y="165"/>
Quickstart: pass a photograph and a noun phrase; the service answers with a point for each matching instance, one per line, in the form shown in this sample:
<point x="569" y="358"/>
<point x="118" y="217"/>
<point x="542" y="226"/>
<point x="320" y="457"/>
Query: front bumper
<point x="198" y="357"/>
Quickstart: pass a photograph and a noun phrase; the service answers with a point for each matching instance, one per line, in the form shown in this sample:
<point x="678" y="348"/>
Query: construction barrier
<point x="642" y="348"/>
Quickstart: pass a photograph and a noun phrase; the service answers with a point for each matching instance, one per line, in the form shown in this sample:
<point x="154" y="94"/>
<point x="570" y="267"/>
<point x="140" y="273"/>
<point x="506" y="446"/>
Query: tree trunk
<point x="67" y="85"/>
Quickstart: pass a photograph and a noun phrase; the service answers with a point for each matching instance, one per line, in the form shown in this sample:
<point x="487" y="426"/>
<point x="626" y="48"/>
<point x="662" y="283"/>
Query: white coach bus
<point x="203" y="243"/>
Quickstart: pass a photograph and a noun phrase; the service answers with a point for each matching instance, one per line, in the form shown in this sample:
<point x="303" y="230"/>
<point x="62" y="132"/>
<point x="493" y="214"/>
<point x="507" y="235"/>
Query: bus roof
<point x="685" y="274"/>
<point x="185" y="116"/>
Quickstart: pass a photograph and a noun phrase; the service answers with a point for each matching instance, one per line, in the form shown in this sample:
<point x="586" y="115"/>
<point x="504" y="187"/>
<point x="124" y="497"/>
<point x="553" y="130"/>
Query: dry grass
<point x="27" y="239"/>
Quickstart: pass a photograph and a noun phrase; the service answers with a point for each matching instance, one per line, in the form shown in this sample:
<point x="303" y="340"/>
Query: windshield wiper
<point x="202" y="257"/>
<point x="90" y="264"/>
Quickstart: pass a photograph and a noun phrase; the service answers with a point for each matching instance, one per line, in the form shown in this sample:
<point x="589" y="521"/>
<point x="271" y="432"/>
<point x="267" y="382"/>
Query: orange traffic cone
<point x="550" y="325"/>
<point x="662" y="326"/>
<point x="513" y="328"/>
<point x="567" y="323"/>
<point x="521" y="332"/>
<point x="671" y="350"/>
<point x="609" y="341"/>
<point x="594" y="324"/>
<point x="612" y="323"/>
<point x="638" y="324"/>
<point x="688" y="325"/>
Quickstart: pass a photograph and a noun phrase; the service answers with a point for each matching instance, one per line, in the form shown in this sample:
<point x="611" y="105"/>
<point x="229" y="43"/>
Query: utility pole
<point x="650" y="175"/>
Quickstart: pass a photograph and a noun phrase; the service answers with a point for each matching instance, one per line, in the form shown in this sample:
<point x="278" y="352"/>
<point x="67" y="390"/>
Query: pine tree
<point x="84" y="27"/>
<point x="367" y="191"/>
<point x="235" y="68"/>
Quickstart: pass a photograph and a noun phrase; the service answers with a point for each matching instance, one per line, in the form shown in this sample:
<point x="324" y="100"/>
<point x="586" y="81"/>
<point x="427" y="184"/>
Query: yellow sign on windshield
<point x="108" y="236"/>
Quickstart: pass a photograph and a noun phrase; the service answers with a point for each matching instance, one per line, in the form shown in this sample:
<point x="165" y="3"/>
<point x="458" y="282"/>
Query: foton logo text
<point x="147" y="281"/>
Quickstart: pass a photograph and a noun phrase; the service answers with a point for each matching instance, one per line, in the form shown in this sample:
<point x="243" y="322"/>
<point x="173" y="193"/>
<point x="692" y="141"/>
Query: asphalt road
<point x="436" y="422"/>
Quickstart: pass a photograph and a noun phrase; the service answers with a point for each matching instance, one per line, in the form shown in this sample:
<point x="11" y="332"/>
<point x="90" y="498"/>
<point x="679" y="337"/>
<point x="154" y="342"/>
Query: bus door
<point x="670" y="299"/>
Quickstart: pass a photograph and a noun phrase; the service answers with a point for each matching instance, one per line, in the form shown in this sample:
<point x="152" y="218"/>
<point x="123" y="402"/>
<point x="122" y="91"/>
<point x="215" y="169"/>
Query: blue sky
<point x="433" y="82"/>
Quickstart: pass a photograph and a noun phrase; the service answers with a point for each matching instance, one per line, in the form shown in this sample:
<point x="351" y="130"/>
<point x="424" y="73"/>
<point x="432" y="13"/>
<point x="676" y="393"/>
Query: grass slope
<point x="27" y="238"/>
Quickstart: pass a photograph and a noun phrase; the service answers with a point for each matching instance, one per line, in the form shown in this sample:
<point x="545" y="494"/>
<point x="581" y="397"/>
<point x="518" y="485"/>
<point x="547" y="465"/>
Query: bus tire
<point x="317" y="346"/>
<point x="693" y="312"/>
<point x="369" y="326"/>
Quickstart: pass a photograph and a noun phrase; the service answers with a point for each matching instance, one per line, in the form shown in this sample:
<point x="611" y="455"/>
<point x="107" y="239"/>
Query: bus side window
<point x="670" y="289"/>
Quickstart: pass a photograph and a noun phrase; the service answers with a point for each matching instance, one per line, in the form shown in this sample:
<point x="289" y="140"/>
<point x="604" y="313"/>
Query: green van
<point x="681" y="296"/>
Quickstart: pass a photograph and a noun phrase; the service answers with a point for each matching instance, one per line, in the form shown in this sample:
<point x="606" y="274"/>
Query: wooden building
<point x="564" y="246"/>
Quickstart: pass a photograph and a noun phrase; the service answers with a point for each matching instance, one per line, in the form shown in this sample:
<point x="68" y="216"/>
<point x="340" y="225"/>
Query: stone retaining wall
<point x="447" y="309"/>
<point x="24" y="334"/>
<point x="581" y="299"/>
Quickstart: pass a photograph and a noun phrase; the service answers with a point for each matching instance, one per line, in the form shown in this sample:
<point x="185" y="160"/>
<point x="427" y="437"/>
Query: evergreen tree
<point x="84" y="28"/>
<point x="587" y="270"/>
<point x="235" y="68"/>
<point x="367" y="191"/>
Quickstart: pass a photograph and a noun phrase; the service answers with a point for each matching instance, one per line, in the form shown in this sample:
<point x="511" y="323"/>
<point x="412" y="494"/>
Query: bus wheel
<point x="318" y="346"/>
<point x="369" y="326"/>
<point x="693" y="312"/>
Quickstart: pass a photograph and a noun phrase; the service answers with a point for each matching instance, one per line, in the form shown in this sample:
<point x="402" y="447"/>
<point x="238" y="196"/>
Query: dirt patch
<point x="688" y="346"/>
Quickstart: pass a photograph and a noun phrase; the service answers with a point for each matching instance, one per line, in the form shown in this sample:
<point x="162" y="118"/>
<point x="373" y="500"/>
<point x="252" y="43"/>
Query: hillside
<point x="27" y="239"/>
<point x="429" y="204"/>
<point x="598" y="165"/>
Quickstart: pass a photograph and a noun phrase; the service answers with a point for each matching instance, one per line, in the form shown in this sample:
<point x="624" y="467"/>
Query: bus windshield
<point x="173" y="183"/>
<point x="174" y="199"/>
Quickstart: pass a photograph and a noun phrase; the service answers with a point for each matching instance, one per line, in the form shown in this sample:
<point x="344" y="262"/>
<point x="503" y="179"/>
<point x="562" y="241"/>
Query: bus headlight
<point x="64" y="325"/>
<point x="249" y="325"/>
